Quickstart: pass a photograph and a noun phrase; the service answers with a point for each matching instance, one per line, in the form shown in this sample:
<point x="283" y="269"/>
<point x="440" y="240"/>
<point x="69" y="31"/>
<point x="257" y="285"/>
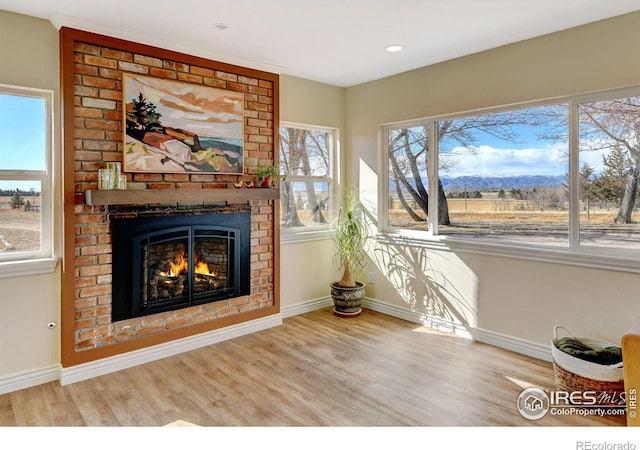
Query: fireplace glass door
<point x="183" y="266"/>
<point x="173" y="267"/>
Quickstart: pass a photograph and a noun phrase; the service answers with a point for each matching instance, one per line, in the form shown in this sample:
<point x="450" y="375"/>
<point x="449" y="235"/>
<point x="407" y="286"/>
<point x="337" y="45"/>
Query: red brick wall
<point x="97" y="139"/>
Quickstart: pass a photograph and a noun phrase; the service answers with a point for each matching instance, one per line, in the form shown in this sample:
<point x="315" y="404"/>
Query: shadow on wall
<point x="437" y="285"/>
<point x="423" y="281"/>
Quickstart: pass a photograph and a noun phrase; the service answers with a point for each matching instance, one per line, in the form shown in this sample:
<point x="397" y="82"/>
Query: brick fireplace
<point x="92" y="71"/>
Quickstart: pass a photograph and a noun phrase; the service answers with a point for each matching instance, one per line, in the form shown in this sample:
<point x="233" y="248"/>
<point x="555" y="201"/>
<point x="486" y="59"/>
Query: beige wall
<point x="29" y="55"/>
<point x="514" y="297"/>
<point x="306" y="268"/>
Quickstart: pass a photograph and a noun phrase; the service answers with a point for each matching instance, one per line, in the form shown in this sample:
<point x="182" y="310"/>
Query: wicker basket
<point x="576" y="375"/>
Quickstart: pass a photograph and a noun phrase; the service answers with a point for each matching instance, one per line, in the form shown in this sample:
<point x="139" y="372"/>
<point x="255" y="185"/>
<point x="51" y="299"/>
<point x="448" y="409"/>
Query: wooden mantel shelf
<point x="178" y="196"/>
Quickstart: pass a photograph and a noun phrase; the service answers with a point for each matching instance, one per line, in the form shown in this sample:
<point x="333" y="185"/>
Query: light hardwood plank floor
<point x="314" y="370"/>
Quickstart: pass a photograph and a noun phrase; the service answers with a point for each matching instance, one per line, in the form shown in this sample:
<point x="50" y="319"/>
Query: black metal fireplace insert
<point x="171" y="262"/>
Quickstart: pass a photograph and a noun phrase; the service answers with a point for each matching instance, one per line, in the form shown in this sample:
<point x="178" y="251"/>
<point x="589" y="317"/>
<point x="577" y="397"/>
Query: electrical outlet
<point x="372" y="278"/>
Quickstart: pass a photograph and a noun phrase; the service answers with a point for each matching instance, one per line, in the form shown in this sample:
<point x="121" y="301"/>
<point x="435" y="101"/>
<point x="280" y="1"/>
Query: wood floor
<point x="315" y="370"/>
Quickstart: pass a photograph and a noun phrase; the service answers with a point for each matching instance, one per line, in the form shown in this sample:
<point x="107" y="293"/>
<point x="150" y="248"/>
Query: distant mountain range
<point x="486" y="183"/>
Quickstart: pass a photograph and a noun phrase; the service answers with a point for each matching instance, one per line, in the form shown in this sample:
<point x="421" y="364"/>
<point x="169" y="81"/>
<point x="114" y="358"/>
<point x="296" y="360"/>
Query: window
<point x="408" y="177"/>
<point x="609" y="157"/>
<point x="557" y="175"/>
<point x="25" y="175"/>
<point x="307" y="155"/>
<point x="504" y="175"/>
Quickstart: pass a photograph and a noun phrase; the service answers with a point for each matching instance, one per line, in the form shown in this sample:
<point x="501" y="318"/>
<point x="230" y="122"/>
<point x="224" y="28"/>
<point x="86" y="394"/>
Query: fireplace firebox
<point x="171" y="262"/>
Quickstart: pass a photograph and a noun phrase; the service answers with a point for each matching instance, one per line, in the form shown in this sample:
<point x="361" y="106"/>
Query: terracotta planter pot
<point x="266" y="182"/>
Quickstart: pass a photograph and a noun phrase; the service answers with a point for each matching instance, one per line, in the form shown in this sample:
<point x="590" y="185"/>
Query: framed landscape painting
<point x="176" y="127"/>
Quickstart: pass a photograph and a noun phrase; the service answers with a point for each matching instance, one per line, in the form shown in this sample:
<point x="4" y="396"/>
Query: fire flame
<point x="181" y="265"/>
<point x="203" y="268"/>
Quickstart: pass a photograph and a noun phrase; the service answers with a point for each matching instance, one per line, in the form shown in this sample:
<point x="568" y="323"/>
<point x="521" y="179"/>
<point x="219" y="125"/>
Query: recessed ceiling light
<point x="394" y="48"/>
<point x="220" y="26"/>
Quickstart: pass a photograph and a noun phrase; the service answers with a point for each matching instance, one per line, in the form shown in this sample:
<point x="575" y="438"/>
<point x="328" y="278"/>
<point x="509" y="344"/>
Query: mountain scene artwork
<point x="174" y="127"/>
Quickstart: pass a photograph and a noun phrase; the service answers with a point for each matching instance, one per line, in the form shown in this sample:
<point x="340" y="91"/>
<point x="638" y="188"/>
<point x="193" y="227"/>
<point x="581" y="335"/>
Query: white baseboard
<point x="392" y="310"/>
<point x="308" y="306"/>
<point x="415" y="317"/>
<point x="115" y="363"/>
<point x="506" y="342"/>
<point x="514" y="344"/>
<point x="29" y="379"/>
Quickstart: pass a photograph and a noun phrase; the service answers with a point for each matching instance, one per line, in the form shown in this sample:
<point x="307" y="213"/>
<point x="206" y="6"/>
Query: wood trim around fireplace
<point x="69" y="38"/>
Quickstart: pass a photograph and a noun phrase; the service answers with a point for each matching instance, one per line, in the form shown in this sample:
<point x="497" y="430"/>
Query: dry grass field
<point x="19" y="228"/>
<point x="550" y="227"/>
<point x="518" y="221"/>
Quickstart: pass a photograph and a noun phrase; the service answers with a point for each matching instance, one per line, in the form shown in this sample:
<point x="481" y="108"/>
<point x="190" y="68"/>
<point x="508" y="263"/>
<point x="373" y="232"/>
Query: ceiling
<point x="339" y="42"/>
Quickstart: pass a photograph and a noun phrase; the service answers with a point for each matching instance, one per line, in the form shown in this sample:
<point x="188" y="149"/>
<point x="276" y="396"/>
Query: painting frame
<point x="171" y="126"/>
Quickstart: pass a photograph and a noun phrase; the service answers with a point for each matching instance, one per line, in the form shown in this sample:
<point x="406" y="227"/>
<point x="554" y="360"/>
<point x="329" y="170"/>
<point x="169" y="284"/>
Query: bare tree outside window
<point x="613" y="126"/>
<point x="305" y="157"/>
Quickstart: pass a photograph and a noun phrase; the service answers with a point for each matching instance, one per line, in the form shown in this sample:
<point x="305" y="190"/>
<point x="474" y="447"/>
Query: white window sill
<point x="27" y="267"/>
<point x="291" y="237"/>
<point x="598" y="258"/>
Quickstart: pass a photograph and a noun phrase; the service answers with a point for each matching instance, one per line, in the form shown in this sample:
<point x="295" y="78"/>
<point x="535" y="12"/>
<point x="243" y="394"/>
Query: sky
<point x="530" y="155"/>
<point x="22" y="137"/>
<point x="506" y="161"/>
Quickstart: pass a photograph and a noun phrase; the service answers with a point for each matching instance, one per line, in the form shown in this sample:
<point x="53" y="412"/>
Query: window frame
<point x="574" y="254"/>
<point x="43" y="260"/>
<point x="300" y="234"/>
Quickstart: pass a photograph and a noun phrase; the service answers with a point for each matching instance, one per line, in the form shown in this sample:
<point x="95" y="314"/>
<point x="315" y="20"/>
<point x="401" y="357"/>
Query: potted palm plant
<point x="349" y="239"/>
